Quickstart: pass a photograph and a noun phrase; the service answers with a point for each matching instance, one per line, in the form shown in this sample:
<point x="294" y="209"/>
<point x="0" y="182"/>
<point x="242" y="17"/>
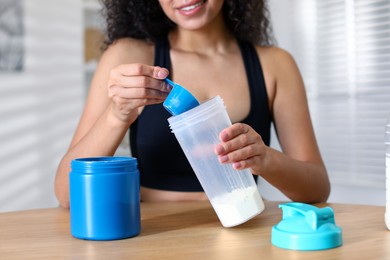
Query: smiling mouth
<point x="191" y="7"/>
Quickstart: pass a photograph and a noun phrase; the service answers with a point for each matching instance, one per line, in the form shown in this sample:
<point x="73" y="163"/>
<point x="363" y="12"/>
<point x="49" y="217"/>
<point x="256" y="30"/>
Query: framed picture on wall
<point x="11" y="36"/>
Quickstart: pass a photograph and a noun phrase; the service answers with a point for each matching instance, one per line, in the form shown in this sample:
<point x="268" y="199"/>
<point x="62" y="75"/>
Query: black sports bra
<point x="161" y="161"/>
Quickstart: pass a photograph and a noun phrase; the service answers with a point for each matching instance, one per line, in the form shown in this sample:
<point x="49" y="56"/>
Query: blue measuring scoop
<point x="179" y="100"/>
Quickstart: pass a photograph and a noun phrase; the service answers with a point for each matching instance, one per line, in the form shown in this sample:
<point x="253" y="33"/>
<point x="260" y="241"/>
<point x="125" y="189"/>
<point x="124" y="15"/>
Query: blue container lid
<point x="104" y="164"/>
<point x="306" y="227"/>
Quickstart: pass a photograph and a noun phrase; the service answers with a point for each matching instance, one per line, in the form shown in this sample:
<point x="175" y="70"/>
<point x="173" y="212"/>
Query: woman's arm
<point x="120" y="87"/>
<point x="298" y="171"/>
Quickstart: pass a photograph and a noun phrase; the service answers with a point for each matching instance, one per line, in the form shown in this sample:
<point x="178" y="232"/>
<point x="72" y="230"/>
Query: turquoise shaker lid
<point x="306" y="227"/>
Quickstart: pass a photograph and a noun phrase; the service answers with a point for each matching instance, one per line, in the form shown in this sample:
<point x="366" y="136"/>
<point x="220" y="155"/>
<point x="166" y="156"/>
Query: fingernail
<point x="224" y="136"/>
<point x="223" y="159"/>
<point x="162" y="74"/>
<point x="168" y="87"/>
<point x="237" y="165"/>
<point x="219" y="149"/>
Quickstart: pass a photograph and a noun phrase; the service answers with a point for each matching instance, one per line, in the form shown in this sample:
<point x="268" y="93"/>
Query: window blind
<point x="344" y="56"/>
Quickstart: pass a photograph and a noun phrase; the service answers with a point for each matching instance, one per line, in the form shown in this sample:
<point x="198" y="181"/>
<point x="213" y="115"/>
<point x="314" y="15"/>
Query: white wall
<point x="40" y="106"/>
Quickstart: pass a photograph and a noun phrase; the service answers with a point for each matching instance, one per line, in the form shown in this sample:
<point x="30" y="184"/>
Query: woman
<point x="212" y="47"/>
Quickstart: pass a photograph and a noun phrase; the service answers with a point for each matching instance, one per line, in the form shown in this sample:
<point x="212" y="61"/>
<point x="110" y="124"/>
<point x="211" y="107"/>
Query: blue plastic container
<point x="104" y="198"/>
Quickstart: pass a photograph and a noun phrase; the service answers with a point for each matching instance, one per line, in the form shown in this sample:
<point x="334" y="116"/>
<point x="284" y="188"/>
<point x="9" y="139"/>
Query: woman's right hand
<point x="132" y="86"/>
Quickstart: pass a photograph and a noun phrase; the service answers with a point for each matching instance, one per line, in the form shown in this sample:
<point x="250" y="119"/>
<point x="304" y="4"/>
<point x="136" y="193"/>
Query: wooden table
<point x="188" y="230"/>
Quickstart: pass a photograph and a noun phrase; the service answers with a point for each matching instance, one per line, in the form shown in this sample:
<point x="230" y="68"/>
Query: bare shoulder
<point x="129" y="50"/>
<point x="276" y="59"/>
<point x="278" y="63"/>
<point x="280" y="71"/>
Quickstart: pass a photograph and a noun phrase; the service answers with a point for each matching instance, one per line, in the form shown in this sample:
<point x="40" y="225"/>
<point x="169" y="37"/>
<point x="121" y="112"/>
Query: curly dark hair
<point x="144" y="19"/>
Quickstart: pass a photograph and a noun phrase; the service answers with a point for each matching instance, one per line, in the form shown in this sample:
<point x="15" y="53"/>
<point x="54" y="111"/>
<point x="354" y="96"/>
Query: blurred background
<point x="49" y="50"/>
<point x="343" y="50"/>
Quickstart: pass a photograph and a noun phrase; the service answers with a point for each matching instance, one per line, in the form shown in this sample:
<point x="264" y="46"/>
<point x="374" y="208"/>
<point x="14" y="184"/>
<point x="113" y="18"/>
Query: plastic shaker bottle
<point x="233" y="193"/>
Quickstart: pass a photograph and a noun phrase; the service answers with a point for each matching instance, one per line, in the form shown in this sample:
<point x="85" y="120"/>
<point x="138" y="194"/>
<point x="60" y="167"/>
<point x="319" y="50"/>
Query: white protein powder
<point x="238" y="206"/>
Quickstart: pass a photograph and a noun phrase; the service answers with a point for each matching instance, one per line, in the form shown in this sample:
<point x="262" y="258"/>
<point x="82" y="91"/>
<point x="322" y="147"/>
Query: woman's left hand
<point x="242" y="146"/>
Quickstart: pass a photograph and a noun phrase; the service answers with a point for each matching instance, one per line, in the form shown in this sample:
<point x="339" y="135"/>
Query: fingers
<point x="139" y="75"/>
<point x="131" y="86"/>
<point x="138" y="81"/>
<point x="141" y="87"/>
<point x="138" y="69"/>
<point x="240" y="145"/>
<point x="234" y="137"/>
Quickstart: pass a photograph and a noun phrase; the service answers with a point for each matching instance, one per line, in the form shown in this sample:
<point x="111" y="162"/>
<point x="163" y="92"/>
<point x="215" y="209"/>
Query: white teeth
<point x="188" y="8"/>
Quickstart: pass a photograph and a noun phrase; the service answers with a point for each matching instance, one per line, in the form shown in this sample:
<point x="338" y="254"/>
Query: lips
<point x="190" y="6"/>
